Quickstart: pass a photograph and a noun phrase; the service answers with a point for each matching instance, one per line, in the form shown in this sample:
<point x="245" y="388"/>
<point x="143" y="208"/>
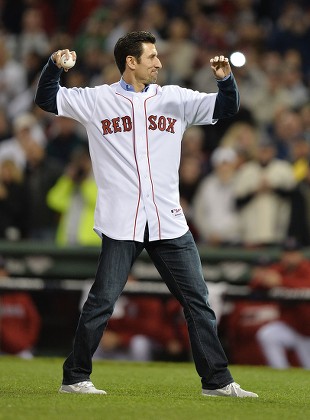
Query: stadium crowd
<point x="244" y="181"/>
<point x="250" y="167"/>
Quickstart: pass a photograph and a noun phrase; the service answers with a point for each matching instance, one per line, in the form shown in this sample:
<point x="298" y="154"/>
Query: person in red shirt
<point x="143" y="328"/>
<point x="291" y="332"/>
<point x="135" y="330"/>
<point x="20" y="321"/>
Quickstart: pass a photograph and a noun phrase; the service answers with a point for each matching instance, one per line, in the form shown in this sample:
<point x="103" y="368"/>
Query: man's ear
<point x="131" y="62"/>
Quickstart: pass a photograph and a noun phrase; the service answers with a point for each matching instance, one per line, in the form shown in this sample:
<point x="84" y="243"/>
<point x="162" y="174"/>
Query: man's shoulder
<point x="182" y="92"/>
<point x="173" y="92"/>
<point x="92" y="89"/>
<point x="171" y="88"/>
<point x="106" y="87"/>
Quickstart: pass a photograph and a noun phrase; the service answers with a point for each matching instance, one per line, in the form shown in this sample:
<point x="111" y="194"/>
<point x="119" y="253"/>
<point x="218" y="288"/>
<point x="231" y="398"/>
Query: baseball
<point x="67" y="64"/>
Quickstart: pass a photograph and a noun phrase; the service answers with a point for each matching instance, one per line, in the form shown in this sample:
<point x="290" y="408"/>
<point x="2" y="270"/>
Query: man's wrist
<point x="52" y="62"/>
<point x="224" y="78"/>
<point x="53" y="57"/>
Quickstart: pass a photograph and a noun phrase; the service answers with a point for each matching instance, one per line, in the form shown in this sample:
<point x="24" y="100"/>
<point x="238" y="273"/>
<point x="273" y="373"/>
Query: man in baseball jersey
<point x="135" y="129"/>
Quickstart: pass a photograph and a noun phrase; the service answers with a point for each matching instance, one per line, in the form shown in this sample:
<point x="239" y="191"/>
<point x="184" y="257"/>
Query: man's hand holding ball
<point x="64" y="59"/>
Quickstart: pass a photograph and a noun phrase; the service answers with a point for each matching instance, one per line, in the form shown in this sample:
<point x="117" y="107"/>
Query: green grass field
<point x="161" y="391"/>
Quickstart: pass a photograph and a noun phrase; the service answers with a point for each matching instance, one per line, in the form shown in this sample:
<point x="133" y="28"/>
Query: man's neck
<point x="133" y="86"/>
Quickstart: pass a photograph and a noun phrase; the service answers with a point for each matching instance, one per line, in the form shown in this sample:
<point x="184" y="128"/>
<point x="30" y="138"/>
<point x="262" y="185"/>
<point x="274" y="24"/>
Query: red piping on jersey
<point x="134" y="152"/>
<point x="149" y="163"/>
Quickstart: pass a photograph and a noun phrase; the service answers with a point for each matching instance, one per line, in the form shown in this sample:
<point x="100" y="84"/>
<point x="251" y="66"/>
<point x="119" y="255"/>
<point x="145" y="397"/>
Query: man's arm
<point x="48" y="85"/>
<point x="228" y="100"/>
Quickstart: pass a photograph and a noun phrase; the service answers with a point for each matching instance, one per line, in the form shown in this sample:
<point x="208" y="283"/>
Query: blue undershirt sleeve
<point x="228" y="100"/>
<point x="48" y="86"/>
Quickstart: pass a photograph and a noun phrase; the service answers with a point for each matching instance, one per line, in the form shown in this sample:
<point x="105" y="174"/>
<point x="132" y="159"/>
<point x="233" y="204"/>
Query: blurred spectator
<point x="25" y="130"/>
<point x="287" y="126"/>
<point x="11" y="14"/>
<point x="135" y="330"/>
<point x="20" y="321"/>
<point x="50" y="13"/>
<point x="122" y="25"/>
<point x="178" y="345"/>
<point x="299" y="225"/>
<point x="154" y="18"/>
<point x="190" y="174"/>
<point x="108" y="75"/>
<point x="192" y="169"/>
<point x="23" y="103"/>
<point x="41" y="173"/>
<point x="75" y="78"/>
<point x="94" y="32"/>
<point x="299" y="157"/>
<point x="180" y="52"/>
<point x="240" y="325"/>
<point x="293" y="81"/>
<point x="251" y="78"/>
<point x="242" y="137"/>
<point x="33" y="37"/>
<point x="59" y="39"/>
<point x="79" y="12"/>
<point x="248" y="33"/>
<point x="193" y="143"/>
<point x="5" y="126"/>
<point x="274" y="95"/>
<point x="63" y="139"/>
<point x="202" y="80"/>
<point x="13" y="79"/>
<point x="245" y="315"/>
<point x="145" y="328"/>
<point x="273" y="35"/>
<point x="44" y="120"/>
<point x="214" y="213"/>
<point x="12" y="201"/>
<point x="292" y="31"/>
<point x="74" y="197"/>
<point x="263" y="188"/>
<point x="208" y="27"/>
<point x="305" y="118"/>
<point x="291" y="332"/>
<point x="94" y="60"/>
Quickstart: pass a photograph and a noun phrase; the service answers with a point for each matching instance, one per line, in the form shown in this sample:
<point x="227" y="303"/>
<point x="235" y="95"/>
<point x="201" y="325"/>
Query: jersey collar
<point x="129" y="87"/>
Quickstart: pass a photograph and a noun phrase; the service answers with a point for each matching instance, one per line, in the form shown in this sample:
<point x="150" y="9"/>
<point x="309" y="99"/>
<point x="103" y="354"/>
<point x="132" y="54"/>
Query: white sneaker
<point x="231" y="390"/>
<point x="85" y="387"/>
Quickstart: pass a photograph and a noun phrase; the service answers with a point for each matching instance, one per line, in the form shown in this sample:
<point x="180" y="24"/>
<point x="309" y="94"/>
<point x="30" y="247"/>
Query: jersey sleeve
<point x="228" y="99"/>
<point x="76" y="103"/>
<point x="198" y="107"/>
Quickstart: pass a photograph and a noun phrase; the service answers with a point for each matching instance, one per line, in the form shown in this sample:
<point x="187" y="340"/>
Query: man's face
<point x="292" y="258"/>
<point x="146" y="70"/>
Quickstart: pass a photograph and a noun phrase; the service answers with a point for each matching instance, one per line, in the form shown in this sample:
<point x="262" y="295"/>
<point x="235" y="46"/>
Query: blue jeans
<point x="178" y="262"/>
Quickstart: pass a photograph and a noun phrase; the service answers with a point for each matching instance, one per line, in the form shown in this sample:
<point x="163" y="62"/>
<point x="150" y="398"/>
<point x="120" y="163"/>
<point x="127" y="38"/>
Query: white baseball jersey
<point x="135" y="147"/>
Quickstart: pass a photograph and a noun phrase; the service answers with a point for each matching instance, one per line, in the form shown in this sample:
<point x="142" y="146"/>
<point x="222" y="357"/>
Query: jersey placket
<point x="143" y="158"/>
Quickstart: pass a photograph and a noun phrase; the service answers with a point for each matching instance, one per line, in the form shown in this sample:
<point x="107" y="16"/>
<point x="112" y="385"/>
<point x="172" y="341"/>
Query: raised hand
<point x="57" y="57"/>
<point x="220" y="66"/>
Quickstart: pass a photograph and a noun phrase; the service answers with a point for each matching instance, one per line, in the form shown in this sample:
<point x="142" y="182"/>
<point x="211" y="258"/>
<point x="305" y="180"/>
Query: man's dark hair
<point x="131" y="44"/>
